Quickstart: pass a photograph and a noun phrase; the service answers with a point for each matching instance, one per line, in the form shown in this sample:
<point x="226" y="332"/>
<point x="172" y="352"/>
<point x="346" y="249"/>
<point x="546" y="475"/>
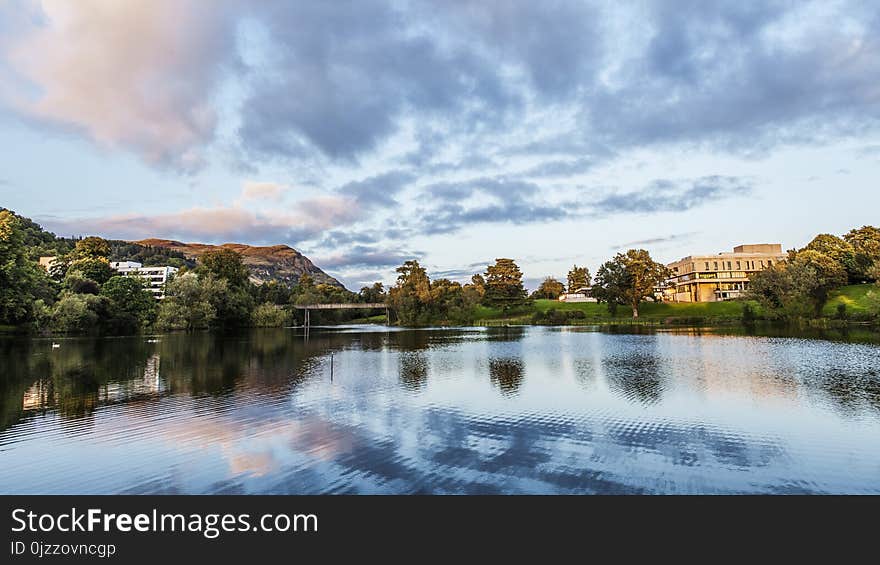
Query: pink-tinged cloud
<point x="307" y="220"/>
<point x="252" y="190"/>
<point x="137" y="74"/>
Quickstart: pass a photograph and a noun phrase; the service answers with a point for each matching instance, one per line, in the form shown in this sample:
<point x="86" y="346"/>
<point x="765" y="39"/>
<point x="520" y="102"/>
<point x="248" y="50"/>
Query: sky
<point x="366" y="133"/>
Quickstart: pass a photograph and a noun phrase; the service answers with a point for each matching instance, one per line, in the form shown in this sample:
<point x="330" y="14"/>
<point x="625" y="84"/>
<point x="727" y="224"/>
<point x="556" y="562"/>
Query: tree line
<point x="800" y="287"/>
<point x="82" y="293"/>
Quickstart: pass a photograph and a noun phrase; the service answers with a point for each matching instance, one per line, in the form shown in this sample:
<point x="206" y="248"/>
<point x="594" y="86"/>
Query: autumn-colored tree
<point x="578" y="277"/>
<point x="549" y="288"/>
<point x="411" y="296"/>
<point x="92" y="248"/>
<point x="504" y="286"/>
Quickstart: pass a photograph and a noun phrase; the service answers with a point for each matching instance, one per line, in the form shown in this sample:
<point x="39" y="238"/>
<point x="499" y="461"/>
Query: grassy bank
<point x="699" y="313"/>
<point x="592" y="313"/>
<point x="854" y="297"/>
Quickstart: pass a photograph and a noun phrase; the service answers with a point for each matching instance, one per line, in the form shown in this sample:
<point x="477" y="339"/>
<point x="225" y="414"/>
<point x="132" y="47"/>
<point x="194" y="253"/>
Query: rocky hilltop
<point x="276" y="262"/>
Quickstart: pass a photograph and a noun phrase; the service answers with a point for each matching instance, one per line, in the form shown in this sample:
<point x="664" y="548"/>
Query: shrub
<point x="268" y="315"/>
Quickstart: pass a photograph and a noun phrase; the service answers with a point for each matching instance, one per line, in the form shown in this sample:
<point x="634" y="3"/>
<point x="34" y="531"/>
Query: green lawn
<point x="855" y="297"/>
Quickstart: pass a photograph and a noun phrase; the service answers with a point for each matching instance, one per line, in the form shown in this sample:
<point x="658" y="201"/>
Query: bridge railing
<point x="346" y="306"/>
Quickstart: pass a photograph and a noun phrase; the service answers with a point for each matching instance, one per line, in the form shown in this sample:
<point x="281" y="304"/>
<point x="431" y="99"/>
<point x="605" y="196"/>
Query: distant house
<point x="583" y="294"/>
<point x="48" y="262"/>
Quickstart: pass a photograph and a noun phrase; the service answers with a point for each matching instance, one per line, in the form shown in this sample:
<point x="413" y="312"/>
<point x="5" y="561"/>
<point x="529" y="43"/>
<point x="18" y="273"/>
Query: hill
<point x="276" y="262"/>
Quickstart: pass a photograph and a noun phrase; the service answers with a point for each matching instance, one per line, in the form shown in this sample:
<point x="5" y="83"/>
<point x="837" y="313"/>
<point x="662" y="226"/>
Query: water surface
<point x="499" y="410"/>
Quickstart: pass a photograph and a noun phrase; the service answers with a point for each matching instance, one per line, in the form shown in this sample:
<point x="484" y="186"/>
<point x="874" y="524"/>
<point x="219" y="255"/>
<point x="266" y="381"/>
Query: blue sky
<point x="367" y="133"/>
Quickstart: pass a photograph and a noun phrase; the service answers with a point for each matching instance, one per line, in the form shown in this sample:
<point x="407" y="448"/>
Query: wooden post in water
<point x="331" y="367"/>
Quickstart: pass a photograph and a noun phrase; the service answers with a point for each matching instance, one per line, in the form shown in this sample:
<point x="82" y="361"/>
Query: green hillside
<point x="855" y="297"/>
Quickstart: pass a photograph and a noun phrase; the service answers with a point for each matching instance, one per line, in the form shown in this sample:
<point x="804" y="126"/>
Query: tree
<point x="132" y="307"/>
<point x="629" y="278"/>
<point x="96" y="269"/>
<point x="92" y="248"/>
<point x="504" y="286"/>
<point x="234" y="307"/>
<point x="578" y="277"/>
<point x="550" y="289"/>
<point x="189" y="301"/>
<point x="866" y="243"/>
<point x="225" y="264"/>
<point x="21" y="281"/>
<point x="411" y="296"/>
<point x="268" y="315"/>
<point x="80" y="313"/>
<point x="375" y="293"/>
<point x="611" y="278"/>
<point x="827" y="275"/>
<point x="478" y="283"/>
<point x="840" y="251"/>
<point x="798" y="288"/>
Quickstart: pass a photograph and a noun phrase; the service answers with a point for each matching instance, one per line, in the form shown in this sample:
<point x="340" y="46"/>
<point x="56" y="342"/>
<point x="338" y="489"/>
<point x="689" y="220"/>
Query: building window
<point x="716" y="265"/>
<point x="738" y="265"/>
<point x="707" y="265"/>
<point x="769" y="262"/>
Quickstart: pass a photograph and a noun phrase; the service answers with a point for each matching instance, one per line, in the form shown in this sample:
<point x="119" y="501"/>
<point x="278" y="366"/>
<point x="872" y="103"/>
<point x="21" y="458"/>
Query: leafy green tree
<point x="629" y="279"/>
<point x="375" y="293"/>
<point x="20" y="278"/>
<point x="234" y="307"/>
<point x="839" y="250"/>
<point x="504" y="286"/>
<point x="96" y="269"/>
<point x="132" y="307"/>
<point x="827" y="275"/>
<point x="189" y="301"/>
<point x="798" y="288"/>
<point x="80" y="313"/>
<point x="550" y="289"/>
<point x="225" y="264"/>
<point x="866" y="243"/>
<point x="269" y="315"/>
<point x="578" y="277"/>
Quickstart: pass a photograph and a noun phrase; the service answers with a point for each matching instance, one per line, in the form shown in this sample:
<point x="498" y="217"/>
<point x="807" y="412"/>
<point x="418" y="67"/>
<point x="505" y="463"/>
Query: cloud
<point x="378" y="190"/>
<point x="137" y="75"/>
<point x="218" y="224"/>
<point x="673" y="196"/>
<point x="327" y="84"/>
<point x="252" y="190"/>
<point x="488" y="200"/>
<point x="655" y="240"/>
<point x="367" y="256"/>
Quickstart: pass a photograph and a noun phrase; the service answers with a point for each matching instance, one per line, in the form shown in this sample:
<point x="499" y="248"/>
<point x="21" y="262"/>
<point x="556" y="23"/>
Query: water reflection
<point x="507" y="374"/>
<point x="456" y="410"/>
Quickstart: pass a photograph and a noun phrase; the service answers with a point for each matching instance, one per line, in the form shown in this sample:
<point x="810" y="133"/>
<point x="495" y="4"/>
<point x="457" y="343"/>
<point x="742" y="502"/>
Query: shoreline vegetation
<point x="830" y="283"/>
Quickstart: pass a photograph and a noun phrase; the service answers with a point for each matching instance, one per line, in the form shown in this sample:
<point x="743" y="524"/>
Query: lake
<point x="367" y="409"/>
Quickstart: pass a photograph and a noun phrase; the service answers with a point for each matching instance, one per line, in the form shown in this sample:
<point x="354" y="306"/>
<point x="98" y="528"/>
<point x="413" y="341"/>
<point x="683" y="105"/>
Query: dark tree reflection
<point x="507" y="374"/>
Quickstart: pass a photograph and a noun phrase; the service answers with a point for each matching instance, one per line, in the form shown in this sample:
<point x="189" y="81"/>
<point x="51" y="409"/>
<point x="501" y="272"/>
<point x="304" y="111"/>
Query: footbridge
<point x="345" y="306"/>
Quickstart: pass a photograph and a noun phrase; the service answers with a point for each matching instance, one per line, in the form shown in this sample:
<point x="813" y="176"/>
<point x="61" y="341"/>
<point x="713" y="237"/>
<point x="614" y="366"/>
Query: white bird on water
<point x="55" y="345"/>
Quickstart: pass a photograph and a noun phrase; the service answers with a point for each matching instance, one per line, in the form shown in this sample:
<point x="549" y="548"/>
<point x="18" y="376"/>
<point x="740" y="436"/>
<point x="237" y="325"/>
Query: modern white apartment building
<point x="156" y="277"/>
